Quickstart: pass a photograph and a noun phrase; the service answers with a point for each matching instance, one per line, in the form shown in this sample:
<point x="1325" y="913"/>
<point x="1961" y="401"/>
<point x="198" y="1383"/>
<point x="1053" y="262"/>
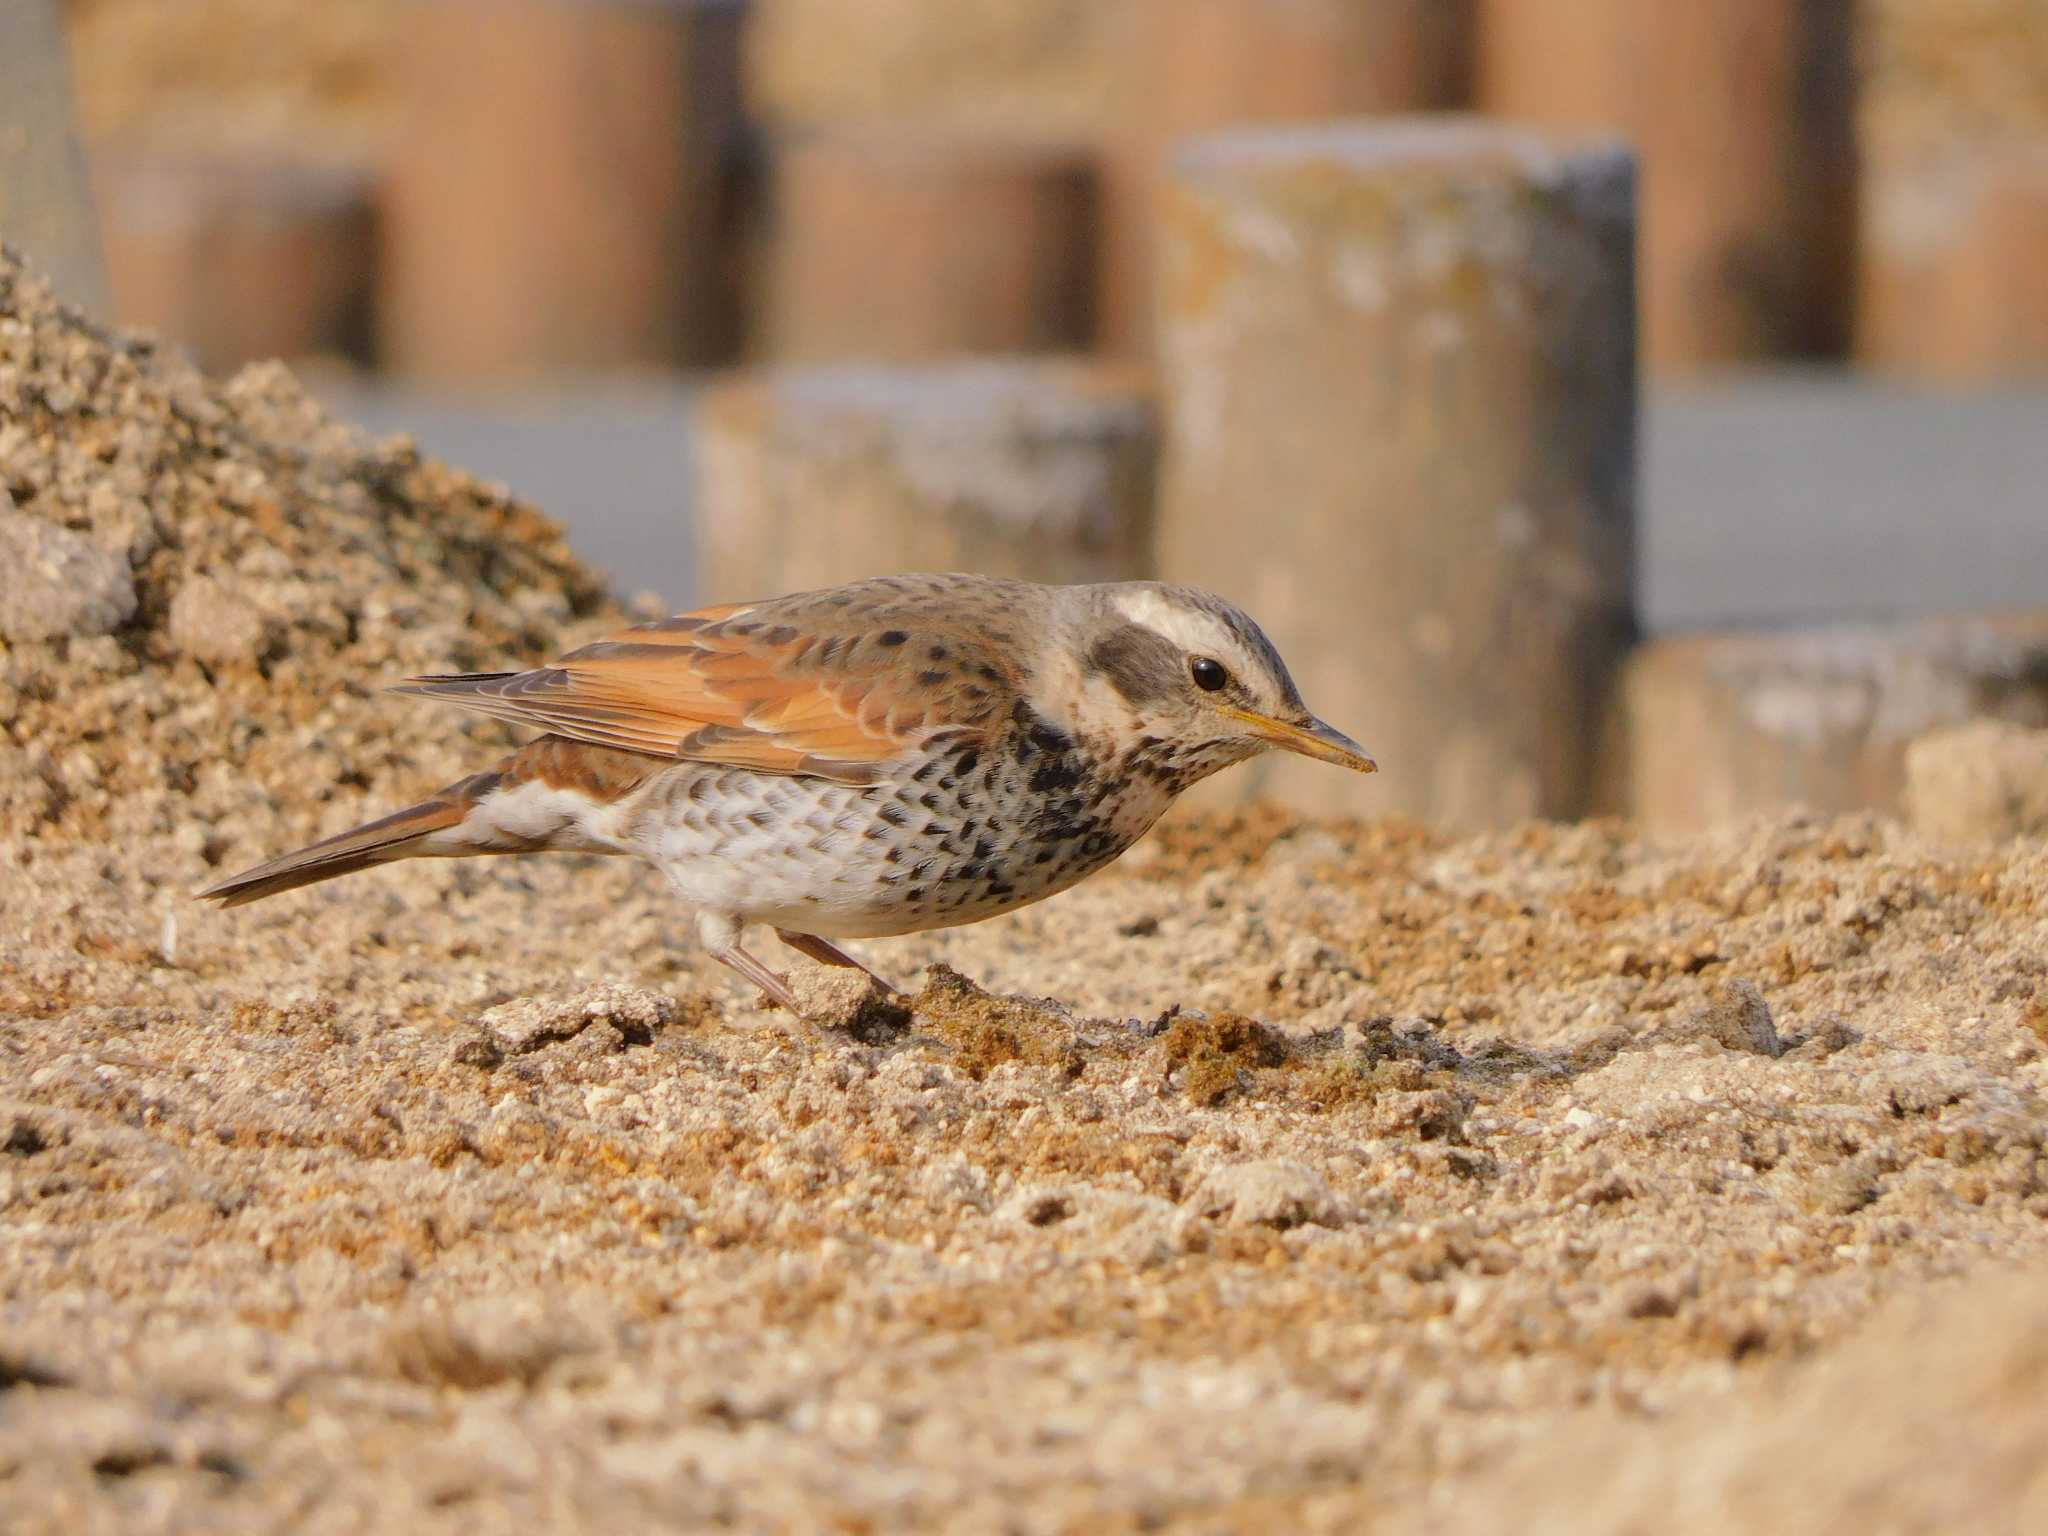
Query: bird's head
<point x="1194" y="672"/>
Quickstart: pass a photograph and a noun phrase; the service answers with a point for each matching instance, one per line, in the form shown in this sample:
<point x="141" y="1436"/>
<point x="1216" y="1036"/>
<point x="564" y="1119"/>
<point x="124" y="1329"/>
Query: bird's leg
<point x="827" y="953"/>
<point x="720" y="933"/>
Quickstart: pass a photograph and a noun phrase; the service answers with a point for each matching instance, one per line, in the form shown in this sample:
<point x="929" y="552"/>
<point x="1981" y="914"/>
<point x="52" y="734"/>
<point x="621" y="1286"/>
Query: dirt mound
<point x="206" y="585"/>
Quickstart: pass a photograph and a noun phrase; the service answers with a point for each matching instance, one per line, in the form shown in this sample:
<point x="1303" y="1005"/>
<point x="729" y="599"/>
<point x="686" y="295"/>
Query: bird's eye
<point x="1209" y="675"/>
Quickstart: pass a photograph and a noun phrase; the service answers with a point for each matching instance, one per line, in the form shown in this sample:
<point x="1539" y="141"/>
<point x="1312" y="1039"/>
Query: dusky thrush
<point x="884" y="757"/>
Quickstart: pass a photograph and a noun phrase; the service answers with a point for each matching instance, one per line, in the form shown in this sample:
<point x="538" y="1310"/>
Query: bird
<point x="883" y="757"/>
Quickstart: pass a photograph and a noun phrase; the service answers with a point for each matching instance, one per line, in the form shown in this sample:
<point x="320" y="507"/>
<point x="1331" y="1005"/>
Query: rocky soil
<point x="1289" y="1176"/>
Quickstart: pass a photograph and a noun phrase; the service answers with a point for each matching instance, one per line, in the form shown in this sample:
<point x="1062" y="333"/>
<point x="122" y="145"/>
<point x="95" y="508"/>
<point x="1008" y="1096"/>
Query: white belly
<point x="768" y="849"/>
<point x="855" y="862"/>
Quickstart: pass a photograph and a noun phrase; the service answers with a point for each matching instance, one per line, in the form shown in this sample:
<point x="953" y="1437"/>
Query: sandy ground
<point x="466" y="1198"/>
<point x="1286" y="1177"/>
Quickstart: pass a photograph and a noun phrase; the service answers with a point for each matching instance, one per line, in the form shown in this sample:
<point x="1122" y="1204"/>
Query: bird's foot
<point x="773" y="983"/>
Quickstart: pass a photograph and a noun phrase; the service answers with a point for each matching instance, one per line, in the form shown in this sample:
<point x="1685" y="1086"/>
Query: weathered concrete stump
<point x="1727" y="725"/>
<point x="1039" y="468"/>
<point x="237" y="257"/>
<point x="1743" y="114"/>
<point x="1985" y="781"/>
<point x="556" y="187"/>
<point x="1205" y="65"/>
<point x="1397" y="367"/>
<point x="898" y="245"/>
<point x="45" y="208"/>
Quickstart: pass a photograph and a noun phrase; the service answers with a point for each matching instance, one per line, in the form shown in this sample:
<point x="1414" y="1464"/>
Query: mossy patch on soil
<point x="1214" y="1053"/>
<point x="986" y="1030"/>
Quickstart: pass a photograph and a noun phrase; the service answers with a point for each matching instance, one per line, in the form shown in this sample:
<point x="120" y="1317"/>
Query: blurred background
<point x="1689" y="490"/>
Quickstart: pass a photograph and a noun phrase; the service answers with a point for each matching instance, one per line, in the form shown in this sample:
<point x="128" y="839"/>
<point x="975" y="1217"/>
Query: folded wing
<point x="766" y="686"/>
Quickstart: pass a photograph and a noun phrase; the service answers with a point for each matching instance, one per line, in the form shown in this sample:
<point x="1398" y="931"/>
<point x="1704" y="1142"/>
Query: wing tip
<point x="430" y="684"/>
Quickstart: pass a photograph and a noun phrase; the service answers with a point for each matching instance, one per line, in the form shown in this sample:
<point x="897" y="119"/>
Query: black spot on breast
<point x="1054" y="774"/>
<point x="892" y="813"/>
<point x="984" y="848"/>
<point x="964" y="764"/>
<point x="1050" y="738"/>
<point x="891" y="637"/>
<point x="937" y="653"/>
<point x="931" y="677"/>
<point x="915" y="893"/>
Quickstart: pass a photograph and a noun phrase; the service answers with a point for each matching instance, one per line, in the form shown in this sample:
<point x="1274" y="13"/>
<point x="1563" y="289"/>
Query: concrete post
<point x="238" y="258"/>
<point x="1397" y="367"/>
<point x="1212" y="64"/>
<point x="1743" y="114"/>
<point x="1953" y="281"/>
<point x="45" y="208"/>
<point x="1728" y="725"/>
<point x="1039" y="468"/>
<point x="904" y="245"/>
<point x="556" y="186"/>
<point x="1953" y="123"/>
<point x="1046" y="69"/>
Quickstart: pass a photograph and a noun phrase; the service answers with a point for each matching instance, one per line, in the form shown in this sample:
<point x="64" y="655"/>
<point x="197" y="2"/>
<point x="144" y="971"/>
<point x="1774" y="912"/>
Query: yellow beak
<point x="1323" y="742"/>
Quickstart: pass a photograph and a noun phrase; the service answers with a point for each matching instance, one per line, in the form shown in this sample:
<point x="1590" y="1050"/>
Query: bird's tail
<point x="401" y="835"/>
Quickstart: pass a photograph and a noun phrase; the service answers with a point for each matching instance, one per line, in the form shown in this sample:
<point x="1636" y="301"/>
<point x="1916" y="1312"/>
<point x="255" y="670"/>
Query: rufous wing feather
<point x="780" y="687"/>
